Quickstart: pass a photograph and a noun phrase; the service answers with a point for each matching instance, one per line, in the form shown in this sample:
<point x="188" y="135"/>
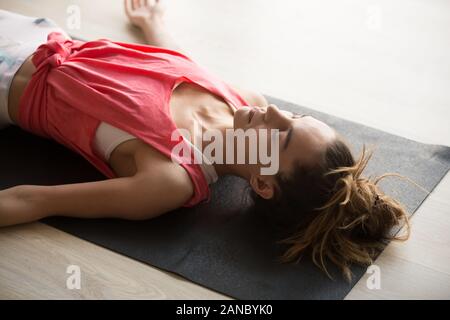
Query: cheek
<point x="285" y="162"/>
<point x="273" y="144"/>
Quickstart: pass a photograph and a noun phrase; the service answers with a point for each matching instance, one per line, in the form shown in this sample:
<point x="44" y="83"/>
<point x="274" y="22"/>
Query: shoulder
<point x="169" y="179"/>
<point x="252" y="97"/>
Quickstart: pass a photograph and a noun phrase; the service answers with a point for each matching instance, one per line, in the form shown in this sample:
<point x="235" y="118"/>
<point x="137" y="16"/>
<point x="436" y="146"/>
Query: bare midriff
<point x="18" y="85"/>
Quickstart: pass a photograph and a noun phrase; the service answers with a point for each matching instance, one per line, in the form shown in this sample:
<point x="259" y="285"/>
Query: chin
<point x="240" y="119"/>
<point x="237" y="119"/>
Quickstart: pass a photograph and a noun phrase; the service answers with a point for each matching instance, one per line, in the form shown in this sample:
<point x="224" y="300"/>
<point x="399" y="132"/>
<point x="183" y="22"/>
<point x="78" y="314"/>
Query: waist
<point x="17" y="88"/>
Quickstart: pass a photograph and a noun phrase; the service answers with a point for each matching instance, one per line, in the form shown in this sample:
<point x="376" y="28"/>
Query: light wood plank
<point x="34" y="263"/>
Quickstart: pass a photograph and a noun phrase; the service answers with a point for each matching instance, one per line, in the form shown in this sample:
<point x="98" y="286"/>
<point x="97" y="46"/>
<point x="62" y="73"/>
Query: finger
<point x="127" y="4"/>
<point x="135" y="4"/>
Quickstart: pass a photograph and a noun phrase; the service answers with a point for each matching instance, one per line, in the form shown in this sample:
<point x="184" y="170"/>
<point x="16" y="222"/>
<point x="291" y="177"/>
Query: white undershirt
<point x="108" y="137"/>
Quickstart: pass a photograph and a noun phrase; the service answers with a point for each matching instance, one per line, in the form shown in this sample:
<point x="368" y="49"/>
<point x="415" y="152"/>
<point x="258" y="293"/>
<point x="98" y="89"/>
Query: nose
<point x="272" y="107"/>
<point x="276" y="117"/>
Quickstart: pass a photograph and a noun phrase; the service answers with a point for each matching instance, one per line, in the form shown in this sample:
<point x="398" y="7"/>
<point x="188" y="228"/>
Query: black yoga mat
<point x="222" y="245"/>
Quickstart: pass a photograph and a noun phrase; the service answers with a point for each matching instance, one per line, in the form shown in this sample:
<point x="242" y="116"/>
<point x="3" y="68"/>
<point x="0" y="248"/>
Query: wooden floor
<point x="385" y="64"/>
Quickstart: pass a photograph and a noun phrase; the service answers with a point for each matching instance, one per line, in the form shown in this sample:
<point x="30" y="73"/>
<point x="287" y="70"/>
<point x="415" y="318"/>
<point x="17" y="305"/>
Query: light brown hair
<point x="333" y="213"/>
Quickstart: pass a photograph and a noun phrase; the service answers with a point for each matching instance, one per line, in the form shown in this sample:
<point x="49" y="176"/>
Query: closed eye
<point x="296" y="115"/>
<point x="288" y="138"/>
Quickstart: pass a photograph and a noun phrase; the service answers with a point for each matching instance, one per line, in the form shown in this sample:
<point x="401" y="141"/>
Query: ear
<point x="264" y="186"/>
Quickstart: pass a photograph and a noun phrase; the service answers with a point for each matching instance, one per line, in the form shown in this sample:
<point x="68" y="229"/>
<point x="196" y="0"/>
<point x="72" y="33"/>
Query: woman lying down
<point x="128" y="109"/>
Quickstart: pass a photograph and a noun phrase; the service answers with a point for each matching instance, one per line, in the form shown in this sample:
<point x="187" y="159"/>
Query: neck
<point x="221" y="124"/>
<point x="240" y="170"/>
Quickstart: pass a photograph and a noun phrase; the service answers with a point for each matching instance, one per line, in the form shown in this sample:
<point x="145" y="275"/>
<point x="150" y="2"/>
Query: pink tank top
<point x="77" y="85"/>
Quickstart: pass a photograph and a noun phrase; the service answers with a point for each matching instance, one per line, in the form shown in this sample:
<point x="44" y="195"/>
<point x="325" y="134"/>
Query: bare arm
<point x="146" y="195"/>
<point x="149" y="17"/>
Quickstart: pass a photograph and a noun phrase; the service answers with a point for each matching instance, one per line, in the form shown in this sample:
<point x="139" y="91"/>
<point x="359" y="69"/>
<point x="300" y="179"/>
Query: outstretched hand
<point x="142" y="12"/>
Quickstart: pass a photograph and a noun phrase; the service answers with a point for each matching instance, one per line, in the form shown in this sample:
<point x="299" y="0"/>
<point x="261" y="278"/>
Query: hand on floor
<point x="144" y="12"/>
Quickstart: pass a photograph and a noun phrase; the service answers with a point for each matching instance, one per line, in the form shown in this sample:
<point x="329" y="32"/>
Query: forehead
<point x="310" y="136"/>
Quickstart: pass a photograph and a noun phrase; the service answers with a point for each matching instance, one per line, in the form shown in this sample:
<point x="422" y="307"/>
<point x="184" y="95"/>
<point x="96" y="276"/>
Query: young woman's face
<point x="301" y="137"/>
